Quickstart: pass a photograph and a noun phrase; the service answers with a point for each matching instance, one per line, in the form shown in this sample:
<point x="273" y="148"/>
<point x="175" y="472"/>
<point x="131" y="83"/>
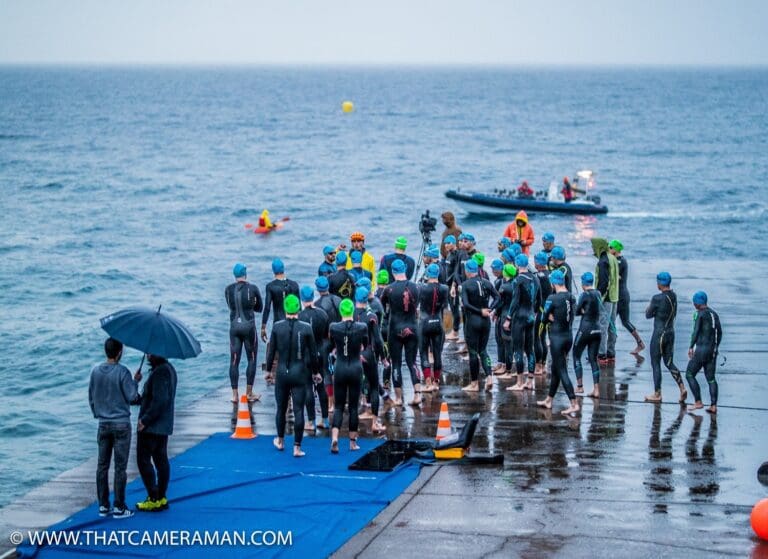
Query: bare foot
<point x="334" y="447"/>
<point x="545" y="403"/>
<point x="712" y="409"/>
<point x="579" y="389"/>
<point x="353" y="444"/>
<point x="539" y="370"/>
<point x="654" y="398"/>
<point x="472" y="387"/>
<point x="528" y="385"/>
<point x="416" y="401"/>
<point x="695" y="406"/>
<point x="309" y="427"/>
<point x="595" y="393"/>
<point x="683" y="395"/>
<point x="297" y="452"/>
<point x="571" y="410"/>
<point x="519" y="387"/>
<point x="640" y="347"/>
<point x="366" y="415"/>
<point x="278" y="444"/>
<point x="489" y="384"/>
<point x="253" y="397"/>
<point x="377" y="427"/>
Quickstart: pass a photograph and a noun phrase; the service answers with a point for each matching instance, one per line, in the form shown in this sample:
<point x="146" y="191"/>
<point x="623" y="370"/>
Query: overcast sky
<point x="514" y="32"/>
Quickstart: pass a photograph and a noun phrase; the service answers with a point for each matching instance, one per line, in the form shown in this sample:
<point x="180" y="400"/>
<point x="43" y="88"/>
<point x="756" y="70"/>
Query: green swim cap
<point x="382" y="278"/>
<point x="616" y="245"/>
<point x="291" y="304"/>
<point x="509" y="271"/>
<point x="401" y="243"/>
<point x="479" y="257"/>
<point x="347" y="308"/>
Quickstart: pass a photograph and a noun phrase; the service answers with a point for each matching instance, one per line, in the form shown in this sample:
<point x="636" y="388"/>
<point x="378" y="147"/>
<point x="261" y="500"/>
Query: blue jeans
<point x="113" y="437"/>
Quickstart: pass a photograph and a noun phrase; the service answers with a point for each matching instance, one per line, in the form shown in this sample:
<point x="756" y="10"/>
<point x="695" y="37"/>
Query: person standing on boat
<point x="520" y="232"/>
<point x="451" y="229"/>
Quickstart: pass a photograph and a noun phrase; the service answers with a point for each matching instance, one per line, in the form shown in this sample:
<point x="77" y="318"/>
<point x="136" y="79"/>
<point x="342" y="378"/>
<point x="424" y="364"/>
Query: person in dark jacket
<point x="451" y="229"/>
<point x="154" y="427"/>
<point x="111" y="392"/>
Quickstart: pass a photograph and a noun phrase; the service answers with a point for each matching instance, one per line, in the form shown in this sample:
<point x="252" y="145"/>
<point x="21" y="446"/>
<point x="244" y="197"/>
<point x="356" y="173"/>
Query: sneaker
<point x="163" y="503"/>
<point x="104" y="511"/>
<point x="148" y="505"/>
<point x="122" y="513"/>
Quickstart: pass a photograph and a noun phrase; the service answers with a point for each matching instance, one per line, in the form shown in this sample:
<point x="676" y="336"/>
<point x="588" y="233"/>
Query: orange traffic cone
<point x="443" y="423"/>
<point x="243" y="429"/>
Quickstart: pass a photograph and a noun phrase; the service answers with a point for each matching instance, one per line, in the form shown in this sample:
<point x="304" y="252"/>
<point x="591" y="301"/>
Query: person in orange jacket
<point x="520" y="232"/>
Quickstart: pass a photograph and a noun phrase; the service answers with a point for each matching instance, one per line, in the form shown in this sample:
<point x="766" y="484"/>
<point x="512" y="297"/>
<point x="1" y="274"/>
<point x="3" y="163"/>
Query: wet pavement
<point x="625" y="479"/>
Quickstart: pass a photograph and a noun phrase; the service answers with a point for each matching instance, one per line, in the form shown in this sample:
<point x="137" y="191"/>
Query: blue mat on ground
<point x="236" y="488"/>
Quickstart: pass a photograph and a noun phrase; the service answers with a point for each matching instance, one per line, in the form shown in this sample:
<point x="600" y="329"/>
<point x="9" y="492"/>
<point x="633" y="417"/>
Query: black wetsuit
<point x="243" y="300"/>
<point x="372" y="354"/>
<point x="506" y="291"/>
<point x="663" y="309"/>
<point x="318" y="320"/>
<point x="433" y="298"/>
<point x="521" y="313"/>
<point x="342" y="284"/>
<point x="388" y="259"/>
<point x="460" y="273"/>
<point x="294" y="344"/>
<point x="622" y="308"/>
<point x="476" y="294"/>
<point x="540" y="332"/>
<point x="330" y="304"/>
<point x="274" y="294"/>
<point x="588" y="335"/>
<point x="451" y="262"/>
<point x="348" y="339"/>
<point x="359" y="273"/>
<point x="560" y="306"/>
<point x="706" y="337"/>
<point x="402" y="299"/>
<point x="567" y="272"/>
<point x="384" y="329"/>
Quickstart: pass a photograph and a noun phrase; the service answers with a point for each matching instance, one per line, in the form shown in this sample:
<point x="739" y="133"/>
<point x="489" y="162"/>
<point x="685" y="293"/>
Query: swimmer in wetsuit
<point x="497" y="273"/>
<point x="433" y="299"/>
<point x="588" y="334"/>
<point x="478" y="296"/>
<point x="342" y="283"/>
<point x="330" y="304"/>
<point x="294" y="344"/>
<point x="275" y="293"/>
<point x="557" y="262"/>
<point x="243" y="300"/>
<point x="401" y="297"/>
<point x="318" y="320"/>
<point x="347" y="341"/>
<point x="558" y="313"/>
<point x="702" y="352"/>
<point x="663" y="309"/>
<point x="521" y="318"/>
<point x="540" y="347"/>
<point x="401" y="243"/>
<point x="373" y="352"/>
<point x="506" y="291"/>
<point x="615" y="247"/>
<point x="328" y="267"/>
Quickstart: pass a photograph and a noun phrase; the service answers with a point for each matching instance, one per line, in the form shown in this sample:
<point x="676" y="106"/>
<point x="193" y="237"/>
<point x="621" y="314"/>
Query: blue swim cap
<point x="558" y="253"/>
<point x="515" y="248"/>
<point x="327" y="249"/>
<point x="307" y="293"/>
<point x="341" y="259"/>
<point x="363" y="282"/>
<point x="557" y="278"/>
<point x="521" y="261"/>
<point x="239" y="270"/>
<point x="497" y="265"/>
<point x="587" y="278"/>
<point x="356" y="256"/>
<point x="462" y="236"/>
<point x="471" y="266"/>
<point x="433" y="271"/>
<point x="541" y="258"/>
<point x="508" y="255"/>
<point x="398" y="267"/>
<point x="361" y="295"/>
<point x="277" y="266"/>
<point x="432" y="252"/>
<point x="449" y="240"/>
<point x="321" y="283"/>
<point x="664" y="278"/>
<point x="699" y="298"/>
<point x="505" y="241"/>
<point x="469" y="237"/>
<point x="548" y="238"/>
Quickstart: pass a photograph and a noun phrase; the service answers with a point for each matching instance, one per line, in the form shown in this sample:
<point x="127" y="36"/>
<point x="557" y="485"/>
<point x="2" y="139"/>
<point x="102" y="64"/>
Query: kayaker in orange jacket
<point x="519" y="231"/>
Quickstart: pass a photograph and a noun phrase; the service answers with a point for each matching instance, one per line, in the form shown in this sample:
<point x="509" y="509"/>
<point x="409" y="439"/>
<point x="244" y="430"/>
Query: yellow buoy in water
<point x="347" y="106"/>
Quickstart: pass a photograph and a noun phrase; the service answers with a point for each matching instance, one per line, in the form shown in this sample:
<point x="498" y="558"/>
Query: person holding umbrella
<point x="160" y="337"/>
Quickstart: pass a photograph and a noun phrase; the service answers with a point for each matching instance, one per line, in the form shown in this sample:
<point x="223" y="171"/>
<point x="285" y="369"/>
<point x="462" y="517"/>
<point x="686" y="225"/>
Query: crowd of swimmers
<point x="348" y="338"/>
